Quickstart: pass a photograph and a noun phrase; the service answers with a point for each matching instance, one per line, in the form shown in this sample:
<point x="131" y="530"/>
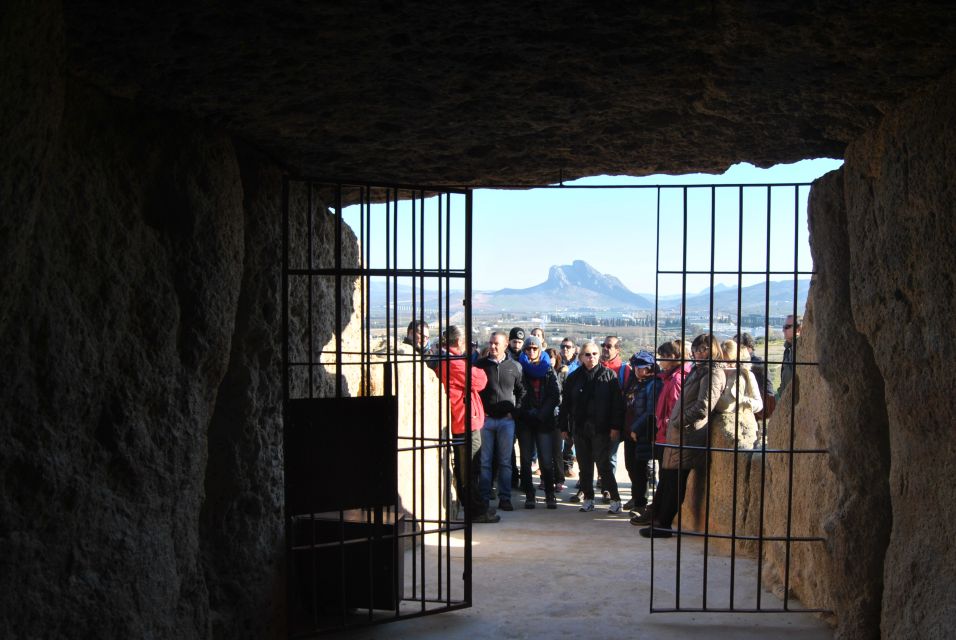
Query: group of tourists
<point x="580" y="402"/>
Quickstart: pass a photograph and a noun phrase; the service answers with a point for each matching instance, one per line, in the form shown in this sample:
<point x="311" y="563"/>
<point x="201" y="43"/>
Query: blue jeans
<point x="497" y="443"/>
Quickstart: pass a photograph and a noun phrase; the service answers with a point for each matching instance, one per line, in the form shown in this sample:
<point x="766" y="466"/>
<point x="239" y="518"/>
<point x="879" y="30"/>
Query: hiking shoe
<point x="576" y="497"/>
<point x="529" y="502"/>
<point x="653" y="532"/>
<point x="505" y="505"/>
<point x="606" y="497"/>
<point x="642" y="519"/>
<point x="487" y="517"/>
<point x="628" y="505"/>
<point x="615" y="507"/>
<point x="588" y="505"/>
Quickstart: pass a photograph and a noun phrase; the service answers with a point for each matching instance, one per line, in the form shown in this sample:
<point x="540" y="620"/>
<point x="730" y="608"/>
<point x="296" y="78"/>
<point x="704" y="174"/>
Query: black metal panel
<point x="348" y="441"/>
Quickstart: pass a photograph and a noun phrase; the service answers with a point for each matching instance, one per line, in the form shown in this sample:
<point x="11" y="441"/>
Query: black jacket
<point x="536" y="410"/>
<point x="504" y="390"/>
<point x="591" y="402"/>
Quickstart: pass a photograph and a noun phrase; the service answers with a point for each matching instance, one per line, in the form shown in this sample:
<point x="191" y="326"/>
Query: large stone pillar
<point x="901" y="217"/>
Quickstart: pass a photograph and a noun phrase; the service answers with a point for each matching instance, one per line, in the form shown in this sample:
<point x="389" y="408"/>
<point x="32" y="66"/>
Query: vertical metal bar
<point x="763" y="445"/>
<point x="338" y="291"/>
<point x="310" y="232"/>
<point x="740" y="285"/>
<point x="468" y="325"/>
<point x="793" y="396"/>
<point x="446" y="535"/>
<point x="710" y="401"/>
<point x="657" y="287"/>
<point x="365" y="313"/>
<point x="680" y="438"/>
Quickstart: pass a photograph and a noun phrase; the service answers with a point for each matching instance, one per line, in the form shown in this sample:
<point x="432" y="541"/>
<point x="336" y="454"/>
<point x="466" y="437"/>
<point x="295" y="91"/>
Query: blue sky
<point x="518" y="235"/>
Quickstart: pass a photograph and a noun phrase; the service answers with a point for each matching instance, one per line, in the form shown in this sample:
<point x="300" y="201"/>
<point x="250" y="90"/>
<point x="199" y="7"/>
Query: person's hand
<point x="615" y="435"/>
<point x="633" y="437"/>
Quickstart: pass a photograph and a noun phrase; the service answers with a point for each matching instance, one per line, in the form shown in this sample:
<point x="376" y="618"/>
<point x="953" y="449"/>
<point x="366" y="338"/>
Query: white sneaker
<point x="588" y="505"/>
<point x="615" y="507"/>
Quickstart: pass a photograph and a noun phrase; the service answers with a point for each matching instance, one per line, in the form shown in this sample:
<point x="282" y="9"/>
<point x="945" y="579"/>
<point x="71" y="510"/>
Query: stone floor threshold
<point x="556" y="574"/>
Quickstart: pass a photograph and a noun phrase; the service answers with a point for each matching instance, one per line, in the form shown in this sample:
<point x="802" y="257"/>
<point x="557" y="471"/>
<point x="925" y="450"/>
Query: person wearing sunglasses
<point x="536" y="422"/>
<point x="592" y="411"/>
<point x="791" y="331"/>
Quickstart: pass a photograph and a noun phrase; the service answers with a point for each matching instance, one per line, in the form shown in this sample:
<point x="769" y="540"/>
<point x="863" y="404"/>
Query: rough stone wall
<point x="241" y="521"/>
<point x="139" y="412"/>
<point x="901" y="208"/>
<point x="120" y="334"/>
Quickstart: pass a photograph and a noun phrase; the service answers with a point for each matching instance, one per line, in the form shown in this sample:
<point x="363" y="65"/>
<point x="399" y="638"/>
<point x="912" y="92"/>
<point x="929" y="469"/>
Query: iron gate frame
<point x="789" y="539"/>
<point x="427" y="598"/>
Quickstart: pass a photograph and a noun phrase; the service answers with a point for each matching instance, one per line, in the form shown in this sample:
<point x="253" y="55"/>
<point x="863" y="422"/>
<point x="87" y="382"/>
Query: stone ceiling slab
<point x="520" y="92"/>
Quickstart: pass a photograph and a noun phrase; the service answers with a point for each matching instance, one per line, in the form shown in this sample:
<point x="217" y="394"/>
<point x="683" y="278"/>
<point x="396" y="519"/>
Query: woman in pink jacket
<point x="670" y="358"/>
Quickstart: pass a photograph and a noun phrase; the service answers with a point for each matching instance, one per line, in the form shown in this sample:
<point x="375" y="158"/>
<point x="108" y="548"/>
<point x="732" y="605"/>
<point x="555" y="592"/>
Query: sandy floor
<point x="564" y="574"/>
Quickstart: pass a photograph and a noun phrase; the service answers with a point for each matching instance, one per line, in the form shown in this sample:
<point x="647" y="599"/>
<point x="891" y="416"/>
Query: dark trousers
<point x="670" y="496"/>
<point x="531" y="440"/>
<point x="595" y="449"/>
<point x="557" y="445"/>
<point x="467" y="474"/>
<point x="636" y="472"/>
<point x="568" y="455"/>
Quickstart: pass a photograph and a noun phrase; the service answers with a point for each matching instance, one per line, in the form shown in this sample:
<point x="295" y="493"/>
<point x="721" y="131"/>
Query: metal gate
<point x="372" y="277"/>
<point x="754" y="235"/>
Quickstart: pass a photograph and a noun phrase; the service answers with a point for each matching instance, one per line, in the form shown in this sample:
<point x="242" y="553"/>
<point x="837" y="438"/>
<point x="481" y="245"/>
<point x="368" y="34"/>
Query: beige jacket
<point x="691" y="415"/>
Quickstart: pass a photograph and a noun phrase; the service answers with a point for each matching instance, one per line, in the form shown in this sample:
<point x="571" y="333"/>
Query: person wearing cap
<point x="640" y="425"/>
<point x="592" y="411"/>
<point x="515" y="342"/>
<point x="536" y="422"/>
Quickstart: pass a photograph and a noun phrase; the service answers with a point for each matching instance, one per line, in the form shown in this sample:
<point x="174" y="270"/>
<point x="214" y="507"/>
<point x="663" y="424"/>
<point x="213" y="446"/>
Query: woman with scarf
<point x="535" y="423"/>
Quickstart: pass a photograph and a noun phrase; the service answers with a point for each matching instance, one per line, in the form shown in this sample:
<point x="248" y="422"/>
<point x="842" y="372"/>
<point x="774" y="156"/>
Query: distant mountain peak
<point x="578" y="285"/>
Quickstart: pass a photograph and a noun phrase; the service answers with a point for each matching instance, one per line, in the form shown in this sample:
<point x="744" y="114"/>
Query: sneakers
<point x="559" y="487"/>
<point x="606" y="497"/>
<point x="529" y="502"/>
<point x="588" y="505"/>
<point x="487" y="517"/>
<point x="652" y="532"/>
<point x="576" y="497"/>
<point x="551" y="502"/>
<point x="505" y="505"/>
<point x="629" y="505"/>
<point x="643" y="519"/>
<point x="615" y="507"/>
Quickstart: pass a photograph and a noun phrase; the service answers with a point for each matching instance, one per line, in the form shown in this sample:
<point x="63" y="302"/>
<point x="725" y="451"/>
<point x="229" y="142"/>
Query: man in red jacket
<point x="452" y="371"/>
